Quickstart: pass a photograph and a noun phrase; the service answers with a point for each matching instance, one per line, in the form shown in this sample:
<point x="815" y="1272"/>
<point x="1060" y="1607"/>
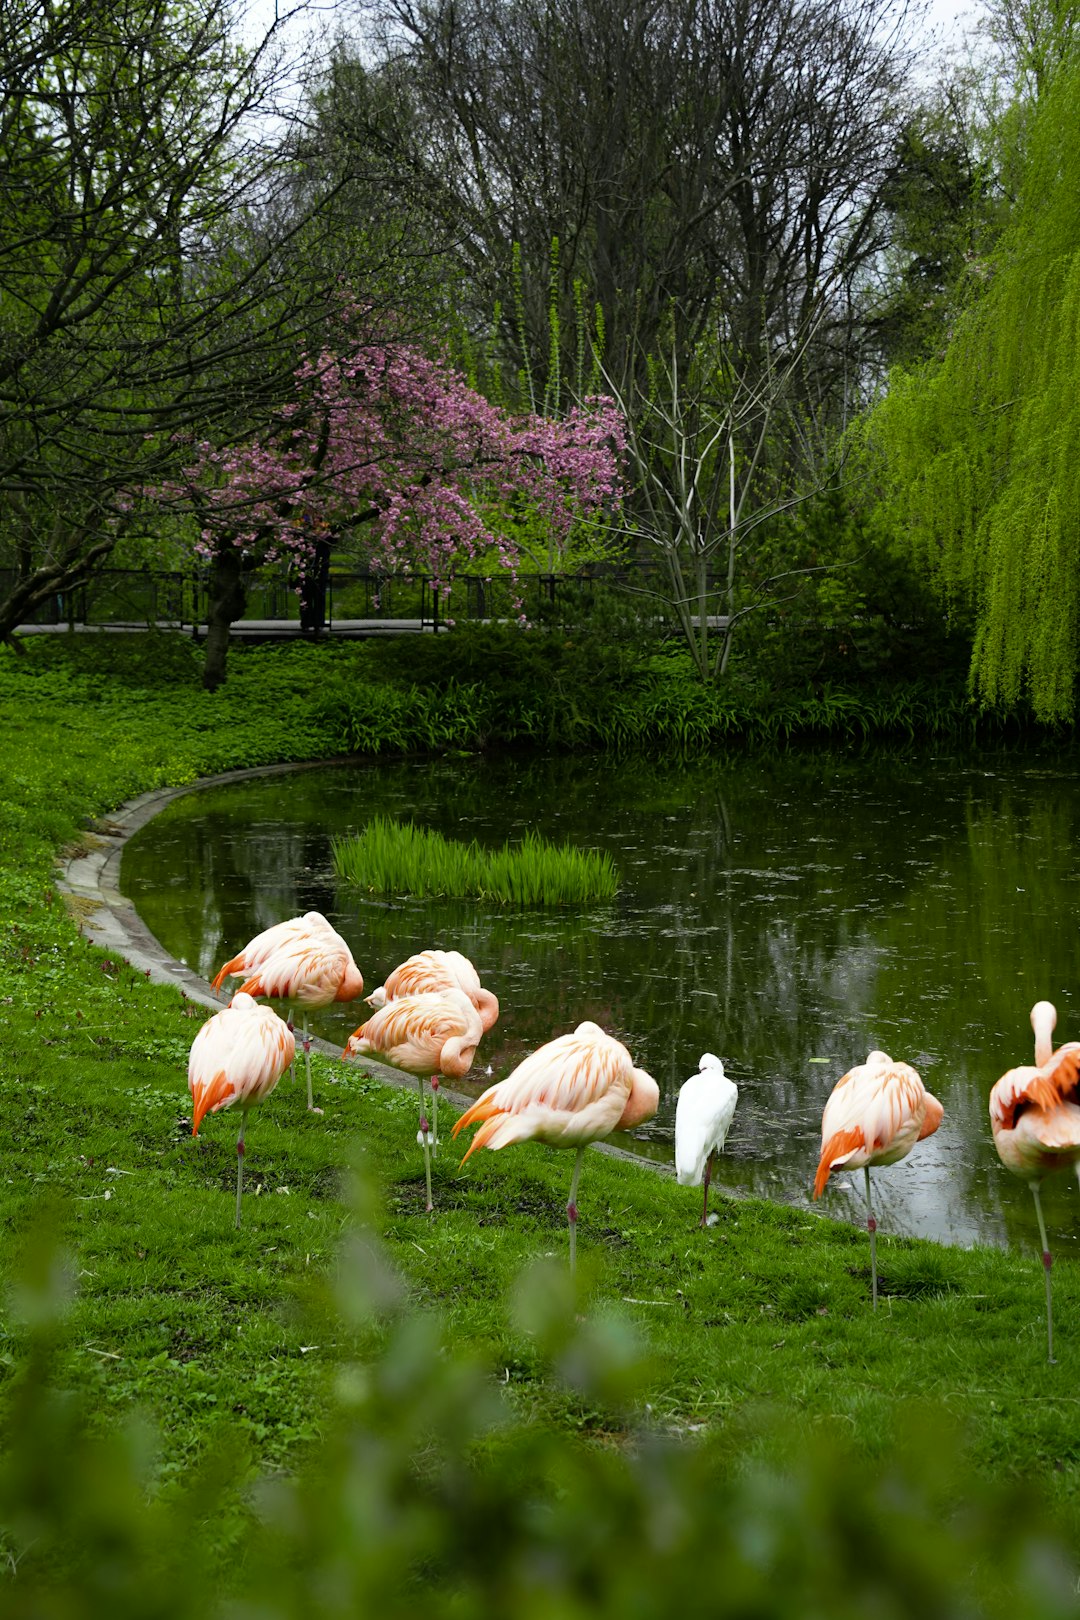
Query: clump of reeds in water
<point x="391" y="857"/>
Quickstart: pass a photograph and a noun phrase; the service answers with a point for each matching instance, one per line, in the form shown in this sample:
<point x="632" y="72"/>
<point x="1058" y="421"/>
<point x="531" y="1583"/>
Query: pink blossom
<point x="388" y="438"/>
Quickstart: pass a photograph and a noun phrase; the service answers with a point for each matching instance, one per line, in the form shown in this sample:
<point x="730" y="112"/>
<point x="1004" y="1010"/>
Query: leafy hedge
<point x="501" y="688"/>
<point x="431" y="1497"/>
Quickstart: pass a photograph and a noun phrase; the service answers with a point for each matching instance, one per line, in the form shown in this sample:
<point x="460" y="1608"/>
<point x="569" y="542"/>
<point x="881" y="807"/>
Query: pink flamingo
<point x="316" y="969"/>
<point x="875" y="1115"/>
<point x="238" y="1056"/>
<point x="277" y="938"/>
<point x="427" y="973"/>
<point x="1035" y="1118"/>
<point x="430" y="971"/>
<point x="570" y="1092"/>
<point x="423" y="1035"/>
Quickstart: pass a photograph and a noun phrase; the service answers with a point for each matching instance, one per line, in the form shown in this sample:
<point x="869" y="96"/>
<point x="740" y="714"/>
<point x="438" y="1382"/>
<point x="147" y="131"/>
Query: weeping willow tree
<point x="980" y="449"/>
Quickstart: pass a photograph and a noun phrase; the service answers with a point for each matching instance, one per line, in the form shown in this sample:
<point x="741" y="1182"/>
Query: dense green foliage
<point x="978" y="449"/>
<point x="859" y="617"/>
<point x="941" y="203"/>
<point x="390" y="857"/>
<point x="476" y="688"/>
<point x="494" y="688"/>
<point x="349" y="1407"/>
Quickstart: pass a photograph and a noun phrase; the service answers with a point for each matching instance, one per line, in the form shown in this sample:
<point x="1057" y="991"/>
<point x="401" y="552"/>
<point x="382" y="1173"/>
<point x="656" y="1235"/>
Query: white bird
<point x="703" y="1116"/>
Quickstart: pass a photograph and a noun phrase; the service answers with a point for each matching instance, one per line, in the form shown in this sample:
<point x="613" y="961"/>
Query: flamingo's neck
<point x="1043" y="1019"/>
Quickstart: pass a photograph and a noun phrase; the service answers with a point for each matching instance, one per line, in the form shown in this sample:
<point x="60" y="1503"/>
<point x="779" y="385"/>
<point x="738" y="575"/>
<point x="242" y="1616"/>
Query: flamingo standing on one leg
<point x="1035" y="1118"/>
<point x="423" y="1035"/>
<point x="238" y="1056"/>
<point x="703" y="1116"/>
<point x="281" y="936"/>
<point x="316" y="969"/>
<point x="568" y="1093"/>
<point x="875" y="1115"/>
<point x="427" y="973"/>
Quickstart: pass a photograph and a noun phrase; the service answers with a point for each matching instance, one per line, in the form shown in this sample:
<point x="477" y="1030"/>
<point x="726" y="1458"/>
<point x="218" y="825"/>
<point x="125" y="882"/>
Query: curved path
<point x="88" y="878"/>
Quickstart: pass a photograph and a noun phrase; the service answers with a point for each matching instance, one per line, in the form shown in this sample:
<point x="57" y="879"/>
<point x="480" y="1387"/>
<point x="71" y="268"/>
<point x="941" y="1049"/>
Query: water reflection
<point x="776" y="911"/>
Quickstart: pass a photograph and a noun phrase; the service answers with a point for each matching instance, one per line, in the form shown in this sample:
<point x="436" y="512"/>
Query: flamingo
<point x="238" y="1056"/>
<point x="423" y="1035"/>
<point x="703" y="1116"/>
<point x="427" y="973"/>
<point x="1035" y="1118"/>
<point x="316" y="969"/>
<point x="875" y="1115"/>
<point x="570" y="1092"/>
<point x="272" y="940"/>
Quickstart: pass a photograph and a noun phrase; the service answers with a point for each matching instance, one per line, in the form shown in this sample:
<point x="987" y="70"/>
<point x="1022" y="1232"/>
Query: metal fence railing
<point x="118" y="596"/>
<point x="180" y="599"/>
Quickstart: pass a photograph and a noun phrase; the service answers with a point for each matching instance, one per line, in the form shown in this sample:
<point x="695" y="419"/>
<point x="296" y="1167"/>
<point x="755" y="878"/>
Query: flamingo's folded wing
<point x="308" y="970"/>
<point x="1022" y="1087"/>
<point x="538" y="1122"/>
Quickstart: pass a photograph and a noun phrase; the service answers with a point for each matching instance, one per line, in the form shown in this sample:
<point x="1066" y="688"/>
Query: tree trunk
<point x="30" y="591"/>
<point x="18" y="606"/>
<point x="227" y="601"/>
<point x="313" y="590"/>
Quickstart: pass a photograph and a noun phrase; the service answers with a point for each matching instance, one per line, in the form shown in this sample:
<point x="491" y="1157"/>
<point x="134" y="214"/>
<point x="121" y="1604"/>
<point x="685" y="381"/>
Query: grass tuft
<point x="392" y="857"/>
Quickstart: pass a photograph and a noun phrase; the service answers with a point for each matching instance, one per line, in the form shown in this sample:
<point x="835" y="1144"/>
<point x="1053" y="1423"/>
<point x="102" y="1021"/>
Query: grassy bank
<point x="755" y="1337"/>
<point x="475" y="689"/>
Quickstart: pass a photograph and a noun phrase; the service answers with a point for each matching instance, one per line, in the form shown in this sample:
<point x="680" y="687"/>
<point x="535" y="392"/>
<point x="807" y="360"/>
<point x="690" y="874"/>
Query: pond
<point x="789" y="913"/>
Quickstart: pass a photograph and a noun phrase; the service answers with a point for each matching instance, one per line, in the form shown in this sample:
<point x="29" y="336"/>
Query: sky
<point x="947" y="19"/>
<point x="950" y="20"/>
<point x="950" y="17"/>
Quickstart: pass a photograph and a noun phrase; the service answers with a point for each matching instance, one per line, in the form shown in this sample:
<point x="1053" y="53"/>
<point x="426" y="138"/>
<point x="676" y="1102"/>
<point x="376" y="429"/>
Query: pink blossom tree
<point x="386" y="440"/>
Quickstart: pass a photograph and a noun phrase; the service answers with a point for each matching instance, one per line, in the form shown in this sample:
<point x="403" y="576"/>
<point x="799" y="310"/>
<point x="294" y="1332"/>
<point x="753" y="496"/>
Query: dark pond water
<point x="788" y="913"/>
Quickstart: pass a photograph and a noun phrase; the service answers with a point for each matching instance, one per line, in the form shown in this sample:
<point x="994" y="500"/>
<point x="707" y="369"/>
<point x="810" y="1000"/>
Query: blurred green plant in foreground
<point x="431" y="1493"/>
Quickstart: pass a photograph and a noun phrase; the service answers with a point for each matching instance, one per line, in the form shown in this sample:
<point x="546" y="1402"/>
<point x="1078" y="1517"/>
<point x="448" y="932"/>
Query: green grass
<point x="392" y="857"/>
<point x="754" y="1339"/>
